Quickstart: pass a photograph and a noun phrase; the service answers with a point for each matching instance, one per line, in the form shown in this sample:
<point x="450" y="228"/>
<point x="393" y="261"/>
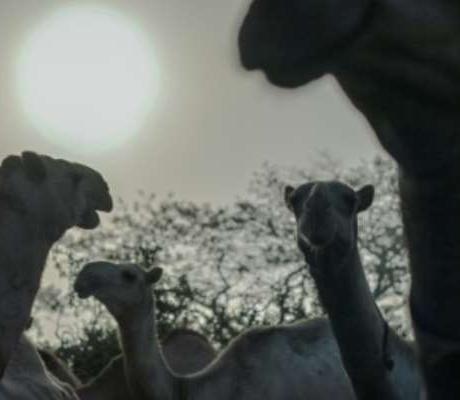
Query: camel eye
<point x="128" y="276"/>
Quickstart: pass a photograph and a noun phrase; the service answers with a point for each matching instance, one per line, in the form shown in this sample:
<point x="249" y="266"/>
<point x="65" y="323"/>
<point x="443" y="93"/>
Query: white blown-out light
<point x="87" y="78"/>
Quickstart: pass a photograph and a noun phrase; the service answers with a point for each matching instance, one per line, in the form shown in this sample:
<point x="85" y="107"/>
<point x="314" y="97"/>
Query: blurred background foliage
<point x="226" y="268"/>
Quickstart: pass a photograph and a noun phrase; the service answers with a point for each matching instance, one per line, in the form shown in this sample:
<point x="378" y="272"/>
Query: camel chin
<point x="84" y="295"/>
<point x="89" y="220"/>
<point x="40" y="199"/>
<point x="83" y="290"/>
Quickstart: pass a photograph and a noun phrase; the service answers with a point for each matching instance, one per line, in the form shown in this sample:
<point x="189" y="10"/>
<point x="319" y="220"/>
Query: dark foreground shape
<point x="40" y="198"/>
<point x="399" y="63"/>
<point x="380" y="365"/>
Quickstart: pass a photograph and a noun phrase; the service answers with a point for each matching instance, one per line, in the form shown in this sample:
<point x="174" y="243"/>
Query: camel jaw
<point x="84" y="288"/>
<point x="83" y="293"/>
<point x="89" y="220"/>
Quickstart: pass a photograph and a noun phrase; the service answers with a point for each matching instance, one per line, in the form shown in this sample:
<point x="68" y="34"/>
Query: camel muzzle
<point x="104" y="201"/>
<point x="87" y="282"/>
<point x="91" y="278"/>
<point x="83" y="289"/>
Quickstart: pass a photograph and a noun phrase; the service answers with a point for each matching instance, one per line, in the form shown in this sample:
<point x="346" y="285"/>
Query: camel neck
<point x="431" y="211"/>
<point x="358" y="326"/>
<point x="147" y="374"/>
<point x="431" y="215"/>
<point x="23" y="253"/>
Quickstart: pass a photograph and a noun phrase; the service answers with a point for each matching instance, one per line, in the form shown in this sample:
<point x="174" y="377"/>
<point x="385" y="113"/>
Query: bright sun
<point x="87" y="78"/>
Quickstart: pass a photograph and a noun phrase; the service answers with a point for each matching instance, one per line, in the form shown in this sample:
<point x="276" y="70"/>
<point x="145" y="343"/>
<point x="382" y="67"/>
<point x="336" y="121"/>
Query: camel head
<point x="124" y="289"/>
<point x="51" y="194"/>
<point x="326" y="213"/>
<point x="294" y="41"/>
<point x="40" y="198"/>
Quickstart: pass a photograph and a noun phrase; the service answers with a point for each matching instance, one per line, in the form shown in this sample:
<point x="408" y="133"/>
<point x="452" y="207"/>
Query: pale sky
<point x="212" y="124"/>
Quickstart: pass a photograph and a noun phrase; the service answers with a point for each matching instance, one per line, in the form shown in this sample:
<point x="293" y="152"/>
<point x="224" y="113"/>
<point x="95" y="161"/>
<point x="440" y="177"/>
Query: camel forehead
<point x="102" y="268"/>
<point x="331" y="188"/>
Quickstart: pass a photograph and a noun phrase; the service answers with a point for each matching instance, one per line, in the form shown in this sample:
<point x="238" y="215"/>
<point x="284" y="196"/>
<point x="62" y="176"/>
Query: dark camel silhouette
<point x="399" y="63"/>
<point x="380" y="365"/>
<point x="40" y="198"/>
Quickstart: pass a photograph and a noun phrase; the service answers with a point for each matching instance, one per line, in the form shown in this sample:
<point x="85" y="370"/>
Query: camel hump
<point x="187" y="351"/>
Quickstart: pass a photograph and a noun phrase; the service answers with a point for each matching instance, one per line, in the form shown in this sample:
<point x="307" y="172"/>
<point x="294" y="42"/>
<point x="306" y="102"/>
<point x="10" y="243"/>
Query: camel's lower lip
<point x="282" y="80"/>
<point x="83" y="293"/>
<point x="83" y="289"/>
<point x="89" y="220"/>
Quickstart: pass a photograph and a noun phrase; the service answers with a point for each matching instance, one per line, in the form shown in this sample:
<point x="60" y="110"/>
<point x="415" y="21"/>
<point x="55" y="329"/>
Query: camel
<point x="398" y="62"/>
<point x="299" y="361"/>
<point x="185" y="351"/>
<point x="381" y="366"/>
<point x="40" y="198"/>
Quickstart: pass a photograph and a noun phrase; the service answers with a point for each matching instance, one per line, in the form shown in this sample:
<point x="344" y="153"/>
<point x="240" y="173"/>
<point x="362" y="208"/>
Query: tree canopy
<point x="228" y="267"/>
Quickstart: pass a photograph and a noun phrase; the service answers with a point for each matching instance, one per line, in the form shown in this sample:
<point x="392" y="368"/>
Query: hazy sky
<point x="212" y="124"/>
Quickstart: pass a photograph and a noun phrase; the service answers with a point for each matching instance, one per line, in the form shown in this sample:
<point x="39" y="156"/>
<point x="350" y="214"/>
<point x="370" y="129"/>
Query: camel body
<point x="299" y="361"/>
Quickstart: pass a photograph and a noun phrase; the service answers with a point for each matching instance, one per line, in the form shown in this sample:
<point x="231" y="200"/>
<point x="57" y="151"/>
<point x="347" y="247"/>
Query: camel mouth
<point x="89" y="220"/>
<point x="292" y="78"/>
<point x="85" y="288"/>
<point x="83" y="294"/>
<point x="105" y="202"/>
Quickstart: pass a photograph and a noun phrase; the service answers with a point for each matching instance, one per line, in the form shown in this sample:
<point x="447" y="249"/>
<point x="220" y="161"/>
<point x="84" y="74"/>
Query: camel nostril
<point x="316" y="226"/>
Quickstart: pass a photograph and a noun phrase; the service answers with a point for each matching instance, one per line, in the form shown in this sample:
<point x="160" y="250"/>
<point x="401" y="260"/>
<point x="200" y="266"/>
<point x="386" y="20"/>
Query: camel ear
<point x="34" y="166"/>
<point x="154" y="275"/>
<point x="288" y="191"/>
<point x="364" y="197"/>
